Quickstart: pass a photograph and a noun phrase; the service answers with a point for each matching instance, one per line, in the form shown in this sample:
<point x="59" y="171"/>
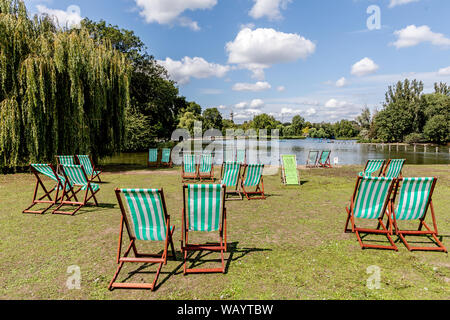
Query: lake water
<point x="348" y="152"/>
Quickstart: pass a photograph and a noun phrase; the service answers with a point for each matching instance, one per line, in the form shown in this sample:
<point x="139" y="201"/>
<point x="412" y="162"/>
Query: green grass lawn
<point x="290" y="246"/>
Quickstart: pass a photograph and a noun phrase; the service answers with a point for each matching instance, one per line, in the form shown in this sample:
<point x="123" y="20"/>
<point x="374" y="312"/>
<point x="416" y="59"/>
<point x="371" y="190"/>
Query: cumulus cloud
<point x="258" y="49"/>
<point x="268" y="8"/>
<point x="412" y="36"/>
<point x="71" y="18"/>
<point x="333" y="103"/>
<point x="290" y="111"/>
<point x="395" y="3"/>
<point x="364" y="67"/>
<point x="197" y="67"/>
<point x="444" y="71"/>
<point x="169" y="11"/>
<point x="341" y="82"/>
<point x="257" y="104"/>
<point x="258" y="86"/>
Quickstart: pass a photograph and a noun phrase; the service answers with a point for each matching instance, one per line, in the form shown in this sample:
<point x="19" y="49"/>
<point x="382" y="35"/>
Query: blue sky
<point x="316" y="58"/>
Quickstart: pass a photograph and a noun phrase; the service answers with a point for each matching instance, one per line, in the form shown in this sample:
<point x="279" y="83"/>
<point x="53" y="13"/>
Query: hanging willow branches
<point x="61" y="92"/>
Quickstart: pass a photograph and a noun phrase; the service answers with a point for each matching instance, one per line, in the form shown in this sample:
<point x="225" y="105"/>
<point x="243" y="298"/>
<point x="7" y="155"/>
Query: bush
<point x="414" y="138"/>
<point x="437" y="129"/>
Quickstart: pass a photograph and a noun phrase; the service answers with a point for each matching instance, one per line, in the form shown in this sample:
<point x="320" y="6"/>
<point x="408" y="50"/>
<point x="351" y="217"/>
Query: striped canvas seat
<point x="254" y="175"/>
<point x="372" y="166"/>
<point x="289" y="170"/>
<point x="312" y="159"/>
<point x="230" y="174"/>
<point x="206" y="163"/>
<point x="77" y="177"/>
<point x="153" y="155"/>
<point x="147" y="214"/>
<point x="324" y="159"/>
<point x="66" y="160"/>
<point x="241" y="156"/>
<point x="85" y="161"/>
<point x="189" y="163"/>
<point x="394" y="168"/>
<point x="204" y="207"/>
<point x="165" y="156"/>
<point x="46" y="170"/>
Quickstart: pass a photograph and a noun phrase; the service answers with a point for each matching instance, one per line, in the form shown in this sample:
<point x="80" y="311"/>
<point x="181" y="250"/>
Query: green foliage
<point x="212" y="119"/>
<point x="61" y="92"/>
<point x="437" y="129"/>
<point x="414" y="138"/>
<point x="264" y="121"/>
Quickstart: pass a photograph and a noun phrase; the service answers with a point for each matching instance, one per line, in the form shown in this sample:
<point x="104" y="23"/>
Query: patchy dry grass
<point x="291" y="246"/>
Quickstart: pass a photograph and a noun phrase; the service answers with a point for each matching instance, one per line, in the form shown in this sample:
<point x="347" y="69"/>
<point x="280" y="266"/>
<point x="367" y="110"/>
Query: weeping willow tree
<point x="61" y="92"/>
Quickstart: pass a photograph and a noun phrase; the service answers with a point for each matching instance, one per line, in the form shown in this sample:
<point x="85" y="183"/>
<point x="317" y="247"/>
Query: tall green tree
<point x="212" y="119"/>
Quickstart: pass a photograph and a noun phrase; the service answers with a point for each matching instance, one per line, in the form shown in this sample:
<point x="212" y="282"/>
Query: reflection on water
<point x="348" y="152"/>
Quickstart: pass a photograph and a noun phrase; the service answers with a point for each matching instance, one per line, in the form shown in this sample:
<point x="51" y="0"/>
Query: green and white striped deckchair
<point x="230" y="178"/>
<point x="90" y="169"/>
<point x="253" y="177"/>
<point x="373" y="166"/>
<point x="313" y="156"/>
<point x="152" y="157"/>
<point x="189" y="168"/>
<point x="204" y="211"/>
<point x="145" y="218"/>
<point x="415" y="198"/>
<point x="324" y="159"/>
<point x="241" y="156"/>
<point x="289" y="171"/>
<point x="48" y="171"/>
<point x="76" y="178"/>
<point x="206" y="168"/>
<point x="66" y="160"/>
<point x="394" y="168"/>
<point x="370" y="201"/>
<point x="166" y="157"/>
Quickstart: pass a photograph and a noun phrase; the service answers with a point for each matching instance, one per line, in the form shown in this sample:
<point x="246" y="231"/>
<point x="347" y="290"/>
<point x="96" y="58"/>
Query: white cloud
<point x="333" y="103"/>
<point x="241" y="105"/>
<point x="281" y="88"/>
<point x="412" y="36"/>
<point x="257" y="104"/>
<point x="221" y="107"/>
<point x="268" y="8"/>
<point x="258" y="49"/>
<point x="258" y="86"/>
<point x="71" y="18"/>
<point x="395" y="3"/>
<point x="290" y="111"/>
<point x="444" y="71"/>
<point x="169" y="11"/>
<point x="197" y="67"/>
<point x="311" y="111"/>
<point x="342" y="82"/>
<point x="364" y="67"/>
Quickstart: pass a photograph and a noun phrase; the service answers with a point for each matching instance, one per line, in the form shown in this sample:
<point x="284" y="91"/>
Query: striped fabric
<point x="189" y="163"/>
<point x="77" y="178"/>
<point x="240" y="156"/>
<point x="206" y="163"/>
<point x="290" y="169"/>
<point x="372" y="167"/>
<point x="371" y="197"/>
<point x="147" y="214"/>
<point x="324" y="157"/>
<point x="46" y="170"/>
<point x="85" y="161"/>
<point x="66" y="160"/>
<point x="153" y="155"/>
<point x="204" y="206"/>
<point x="165" y="156"/>
<point x="312" y="157"/>
<point x="231" y="173"/>
<point x="414" y="196"/>
<point x="254" y="174"/>
<point x="395" y="168"/>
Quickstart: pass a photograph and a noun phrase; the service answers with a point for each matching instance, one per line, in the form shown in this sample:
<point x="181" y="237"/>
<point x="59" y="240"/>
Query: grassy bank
<point x="291" y="246"/>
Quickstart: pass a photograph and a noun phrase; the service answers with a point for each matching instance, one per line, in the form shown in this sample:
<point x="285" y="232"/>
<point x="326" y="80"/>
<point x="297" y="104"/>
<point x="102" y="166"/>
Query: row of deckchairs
<point x="380" y="167"/>
<point x="161" y="157"/>
<point x="197" y="167"/>
<point x="319" y="159"/>
<point x="145" y="218"/>
<point x="375" y="198"/>
<point x="83" y="160"/>
<point x="243" y="178"/>
<point x="68" y="186"/>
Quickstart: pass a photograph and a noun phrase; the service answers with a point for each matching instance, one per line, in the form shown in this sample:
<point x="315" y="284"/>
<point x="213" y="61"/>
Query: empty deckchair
<point x="206" y="168"/>
<point x="289" y="171"/>
<point x="189" y="168"/>
<point x="370" y="201"/>
<point x="76" y="181"/>
<point x="153" y="157"/>
<point x="394" y="168"/>
<point x="313" y="156"/>
<point x="146" y="219"/>
<point x="230" y="174"/>
<point x="64" y="160"/>
<point x="166" y="159"/>
<point x="48" y="171"/>
<point x="324" y="159"/>
<point x="241" y="156"/>
<point x="89" y="167"/>
<point x="414" y="201"/>
<point x="253" y="178"/>
<point x="373" y="166"/>
<point x="204" y="211"/>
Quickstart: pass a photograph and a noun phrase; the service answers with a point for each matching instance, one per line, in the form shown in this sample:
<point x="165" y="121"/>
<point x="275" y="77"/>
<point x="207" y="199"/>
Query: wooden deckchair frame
<point x="315" y="165"/>
<point x="206" y="176"/>
<point x="283" y="171"/>
<point x="70" y="191"/>
<point x="386" y="168"/>
<point x="94" y="169"/>
<point x="327" y="163"/>
<point x="156" y="163"/>
<point x="47" y="194"/>
<point x="259" y="189"/>
<point x="380" y="171"/>
<point x="385" y="231"/>
<point x="434" y="233"/>
<point x="187" y="247"/>
<point x="236" y="190"/>
<point x="185" y="177"/>
<point x="167" y="164"/>
<point x="160" y="259"/>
